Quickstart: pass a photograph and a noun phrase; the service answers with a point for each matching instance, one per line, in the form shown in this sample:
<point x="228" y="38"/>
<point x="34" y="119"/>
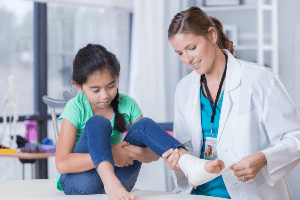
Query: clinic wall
<point x="288" y="70"/>
<point x="288" y="19"/>
<point x="172" y="60"/>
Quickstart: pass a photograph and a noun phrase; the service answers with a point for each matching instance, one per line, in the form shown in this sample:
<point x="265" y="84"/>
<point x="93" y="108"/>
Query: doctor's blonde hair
<point x="194" y="20"/>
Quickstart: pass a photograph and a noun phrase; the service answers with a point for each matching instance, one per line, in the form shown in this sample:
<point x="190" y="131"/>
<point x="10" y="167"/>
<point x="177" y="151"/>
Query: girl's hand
<point x="214" y="166"/>
<point x="147" y="155"/>
<point x="121" y="156"/>
<point x="249" y="166"/>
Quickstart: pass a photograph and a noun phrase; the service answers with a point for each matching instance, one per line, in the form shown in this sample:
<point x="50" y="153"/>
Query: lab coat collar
<point x="233" y="81"/>
<point x="233" y="73"/>
<point x="196" y="115"/>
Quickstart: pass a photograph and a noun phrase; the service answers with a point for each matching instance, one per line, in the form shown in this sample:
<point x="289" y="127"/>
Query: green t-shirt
<point x="78" y="111"/>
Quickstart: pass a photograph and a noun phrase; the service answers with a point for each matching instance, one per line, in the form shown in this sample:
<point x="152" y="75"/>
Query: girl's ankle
<point x="182" y="151"/>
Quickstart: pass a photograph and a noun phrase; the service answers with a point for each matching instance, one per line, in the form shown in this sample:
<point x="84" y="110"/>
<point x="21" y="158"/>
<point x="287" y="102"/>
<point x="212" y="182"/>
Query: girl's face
<point x="195" y="51"/>
<point x="100" y="89"/>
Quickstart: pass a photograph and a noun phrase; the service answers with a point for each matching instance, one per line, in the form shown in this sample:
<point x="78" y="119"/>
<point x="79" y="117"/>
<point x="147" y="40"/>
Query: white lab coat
<point x="257" y="115"/>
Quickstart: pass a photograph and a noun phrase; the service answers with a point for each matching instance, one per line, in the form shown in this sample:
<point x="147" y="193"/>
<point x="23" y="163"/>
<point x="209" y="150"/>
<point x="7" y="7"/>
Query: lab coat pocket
<point x="244" y="132"/>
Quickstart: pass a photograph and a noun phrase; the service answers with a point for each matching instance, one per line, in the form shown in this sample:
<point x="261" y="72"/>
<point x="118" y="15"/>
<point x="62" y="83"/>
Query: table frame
<point x="29" y="158"/>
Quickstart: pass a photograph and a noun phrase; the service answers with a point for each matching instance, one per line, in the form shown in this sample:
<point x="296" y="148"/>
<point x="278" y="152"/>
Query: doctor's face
<point x="198" y="52"/>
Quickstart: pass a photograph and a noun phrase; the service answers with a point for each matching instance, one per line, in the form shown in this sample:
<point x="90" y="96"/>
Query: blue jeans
<point x="95" y="140"/>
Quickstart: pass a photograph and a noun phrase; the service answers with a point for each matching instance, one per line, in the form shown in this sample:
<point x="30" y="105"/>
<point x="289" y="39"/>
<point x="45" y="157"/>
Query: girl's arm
<point x="147" y="155"/>
<point x="65" y="160"/>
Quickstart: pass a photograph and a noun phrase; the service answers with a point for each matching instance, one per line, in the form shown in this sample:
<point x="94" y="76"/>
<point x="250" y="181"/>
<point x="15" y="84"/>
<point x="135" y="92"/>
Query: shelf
<point x="245" y="47"/>
<point x="267" y="7"/>
<point x="253" y="36"/>
<point x="268" y="48"/>
<point x="232" y="8"/>
<point x="253" y="47"/>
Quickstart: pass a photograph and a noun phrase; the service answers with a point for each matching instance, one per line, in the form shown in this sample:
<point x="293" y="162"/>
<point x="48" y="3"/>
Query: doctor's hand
<point x="171" y="158"/>
<point x="249" y="166"/>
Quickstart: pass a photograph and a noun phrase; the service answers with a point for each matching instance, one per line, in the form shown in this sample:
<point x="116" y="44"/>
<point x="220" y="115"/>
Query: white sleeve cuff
<point x="265" y="170"/>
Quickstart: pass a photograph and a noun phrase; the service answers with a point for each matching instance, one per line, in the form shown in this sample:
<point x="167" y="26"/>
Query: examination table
<point x="45" y="189"/>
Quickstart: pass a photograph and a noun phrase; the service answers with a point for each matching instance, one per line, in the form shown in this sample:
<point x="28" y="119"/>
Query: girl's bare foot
<point x="214" y="166"/>
<point x="115" y="191"/>
<point x="182" y="151"/>
<point x="112" y="185"/>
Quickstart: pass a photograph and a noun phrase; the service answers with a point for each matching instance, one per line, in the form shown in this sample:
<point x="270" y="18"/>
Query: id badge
<point x="210" y="152"/>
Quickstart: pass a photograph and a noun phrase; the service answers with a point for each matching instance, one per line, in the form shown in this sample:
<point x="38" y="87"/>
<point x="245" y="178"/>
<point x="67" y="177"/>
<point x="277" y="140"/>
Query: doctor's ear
<point x="212" y="34"/>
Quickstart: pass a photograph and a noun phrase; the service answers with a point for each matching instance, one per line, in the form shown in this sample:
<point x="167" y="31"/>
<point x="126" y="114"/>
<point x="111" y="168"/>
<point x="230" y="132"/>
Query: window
<point x="16" y="51"/>
<point x="72" y="27"/>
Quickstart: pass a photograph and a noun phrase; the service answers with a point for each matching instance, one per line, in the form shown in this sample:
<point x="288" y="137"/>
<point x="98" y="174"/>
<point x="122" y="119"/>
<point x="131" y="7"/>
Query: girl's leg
<point x="128" y="175"/>
<point x="95" y="139"/>
<point x="146" y="133"/>
<point x="82" y="183"/>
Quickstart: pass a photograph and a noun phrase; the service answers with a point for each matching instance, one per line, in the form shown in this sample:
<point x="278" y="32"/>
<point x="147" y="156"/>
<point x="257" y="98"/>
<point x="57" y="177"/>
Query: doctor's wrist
<point x="263" y="159"/>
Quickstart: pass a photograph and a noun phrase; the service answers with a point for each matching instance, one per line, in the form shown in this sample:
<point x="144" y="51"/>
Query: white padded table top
<point x="45" y="189"/>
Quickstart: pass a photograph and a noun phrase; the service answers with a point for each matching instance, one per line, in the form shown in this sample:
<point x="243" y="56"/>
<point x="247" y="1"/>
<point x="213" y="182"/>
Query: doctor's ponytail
<point x="194" y="20"/>
<point x="223" y="41"/>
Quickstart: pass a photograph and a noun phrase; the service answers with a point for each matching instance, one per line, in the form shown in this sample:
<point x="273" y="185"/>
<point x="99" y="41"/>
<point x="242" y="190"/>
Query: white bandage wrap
<point x="193" y="167"/>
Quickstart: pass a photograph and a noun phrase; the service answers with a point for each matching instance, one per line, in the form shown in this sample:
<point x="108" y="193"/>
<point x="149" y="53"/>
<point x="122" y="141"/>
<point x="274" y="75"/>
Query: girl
<point x="241" y="107"/>
<point x="93" y="123"/>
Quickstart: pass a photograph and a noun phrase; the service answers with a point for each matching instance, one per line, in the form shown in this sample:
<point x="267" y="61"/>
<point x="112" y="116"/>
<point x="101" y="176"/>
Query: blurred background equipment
<point x="10" y="103"/>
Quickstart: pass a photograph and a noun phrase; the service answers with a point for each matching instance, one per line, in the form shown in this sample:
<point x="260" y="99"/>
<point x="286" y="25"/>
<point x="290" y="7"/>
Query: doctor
<point x="240" y="109"/>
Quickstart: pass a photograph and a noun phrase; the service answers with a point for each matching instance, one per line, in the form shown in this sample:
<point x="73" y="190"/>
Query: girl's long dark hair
<point x="91" y="59"/>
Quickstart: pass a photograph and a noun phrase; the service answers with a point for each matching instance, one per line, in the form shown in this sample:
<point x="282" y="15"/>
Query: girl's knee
<point x="98" y="120"/>
<point x="144" y="121"/>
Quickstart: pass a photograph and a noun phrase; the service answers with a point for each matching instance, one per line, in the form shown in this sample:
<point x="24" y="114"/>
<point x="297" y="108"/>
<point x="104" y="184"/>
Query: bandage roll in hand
<point x="193" y="167"/>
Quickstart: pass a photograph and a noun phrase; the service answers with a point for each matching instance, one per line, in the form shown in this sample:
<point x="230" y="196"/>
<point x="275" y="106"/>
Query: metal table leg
<point x="23" y="175"/>
<point x="32" y="171"/>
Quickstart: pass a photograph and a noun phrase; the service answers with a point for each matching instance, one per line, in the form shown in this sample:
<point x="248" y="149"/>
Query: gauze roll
<point x="193" y="167"/>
